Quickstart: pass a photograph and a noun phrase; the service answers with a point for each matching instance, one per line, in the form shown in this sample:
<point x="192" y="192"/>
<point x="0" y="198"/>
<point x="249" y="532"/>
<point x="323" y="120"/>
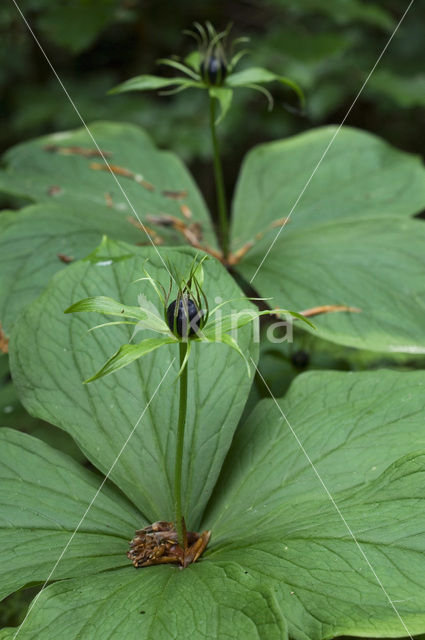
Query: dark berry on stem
<point x="213" y="70"/>
<point x="187" y="319"/>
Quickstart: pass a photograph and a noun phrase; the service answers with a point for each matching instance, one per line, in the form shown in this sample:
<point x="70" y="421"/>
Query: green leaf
<point x="80" y="204"/>
<point x="212" y="601"/>
<point x="228" y="340"/>
<point x="68" y="167"/>
<point x="36" y="241"/>
<point x="352" y="425"/>
<point x="224" y="96"/>
<point x="52" y="354"/>
<point x="43" y="497"/>
<point x="148" y="83"/>
<point x="128" y="353"/>
<point x="345" y="242"/>
<point x="270" y="514"/>
<point x="258" y="75"/>
<point x="361" y="176"/>
<point x="375" y="266"/>
<point x="13" y="415"/>
<point x="323" y="583"/>
<point x="281" y="558"/>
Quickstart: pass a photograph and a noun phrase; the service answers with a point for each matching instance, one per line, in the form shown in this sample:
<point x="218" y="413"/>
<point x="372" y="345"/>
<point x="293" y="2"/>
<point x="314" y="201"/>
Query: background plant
<point x="328" y="47"/>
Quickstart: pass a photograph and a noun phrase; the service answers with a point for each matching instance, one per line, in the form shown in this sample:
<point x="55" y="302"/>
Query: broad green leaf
<point x="44" y="494"/>
<point x="322" y="582"/>
<point x="128" y="353"/>
<point x="33" y="473"/>
<point x="352" y="425"/>
<point x="281" y="362"/>
<point x="68" y="167"/>
<point x="36" y="241"/>
<point x="13" y="415"/>
<point x="206" y="601"/>
<point x="81" y="203"/>
<point x="280" y="555"/>
<point x="270" y="514"/>
<point x="228" y="340"/>
<point x="148" y="83"/>
<point x="375" y="265"/>
<point x="52" y="354"/>
<point x="360" y="177"/>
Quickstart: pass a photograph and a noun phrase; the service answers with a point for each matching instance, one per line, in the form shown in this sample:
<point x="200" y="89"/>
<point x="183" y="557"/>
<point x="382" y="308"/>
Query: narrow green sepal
<point x="108" y="306"/>
<point x="224" y="95"/>
<point x="258" y="76"/>
<point x="180" y="67"/>
<point x="149" y="83"/>
<point x="128" y="353"/>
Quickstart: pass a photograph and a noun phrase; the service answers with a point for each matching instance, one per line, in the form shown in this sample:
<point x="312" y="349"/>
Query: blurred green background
<point x="327" y="46"/>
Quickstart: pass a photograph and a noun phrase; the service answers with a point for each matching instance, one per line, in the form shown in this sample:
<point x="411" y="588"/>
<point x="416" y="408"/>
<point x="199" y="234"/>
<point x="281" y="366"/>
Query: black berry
<point x="213" y="70"/>
<point x="187" y="319"/>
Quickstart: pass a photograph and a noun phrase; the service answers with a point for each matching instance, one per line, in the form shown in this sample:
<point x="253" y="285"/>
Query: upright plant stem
<point x="179" y="446"/>
<point x="219" y="184"/>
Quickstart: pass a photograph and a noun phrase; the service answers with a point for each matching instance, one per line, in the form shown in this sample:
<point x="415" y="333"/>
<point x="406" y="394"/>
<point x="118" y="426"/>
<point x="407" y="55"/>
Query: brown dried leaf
<point x="4" y="341"/>
<point x="328" y="308"/>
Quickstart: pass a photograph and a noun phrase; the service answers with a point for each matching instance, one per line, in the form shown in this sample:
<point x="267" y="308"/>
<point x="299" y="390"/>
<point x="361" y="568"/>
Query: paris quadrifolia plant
<point x="298" y="515"/>
<point x="212" y="67"/>
<point x="183" y="318"/>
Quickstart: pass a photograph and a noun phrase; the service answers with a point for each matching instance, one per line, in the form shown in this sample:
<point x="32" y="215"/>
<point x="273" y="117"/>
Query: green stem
<point x="180" y="446"/>
<point x="219" y="183"/>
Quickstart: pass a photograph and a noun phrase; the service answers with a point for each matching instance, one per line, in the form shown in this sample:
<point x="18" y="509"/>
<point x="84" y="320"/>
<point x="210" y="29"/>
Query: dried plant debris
<point x="80" y="151"/>
<point x="4" y="341"/>
<point x="64" y="258"/>
<point x="157" y="544"/>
